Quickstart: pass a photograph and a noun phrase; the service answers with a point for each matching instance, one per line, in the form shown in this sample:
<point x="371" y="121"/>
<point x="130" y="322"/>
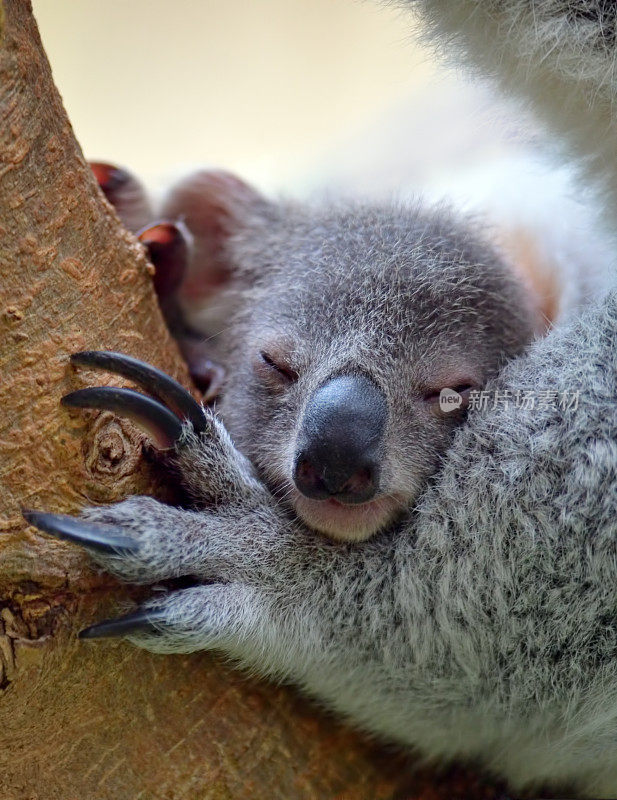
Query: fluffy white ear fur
<point x="548" y="228"/>
<point x="557" y="56"/>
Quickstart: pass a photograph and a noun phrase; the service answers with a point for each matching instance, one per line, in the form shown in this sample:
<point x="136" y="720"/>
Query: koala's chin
<point x="348" y="523"/>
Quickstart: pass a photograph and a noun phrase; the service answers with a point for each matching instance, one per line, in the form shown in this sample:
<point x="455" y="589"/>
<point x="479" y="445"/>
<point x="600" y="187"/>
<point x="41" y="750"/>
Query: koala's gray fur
<point x="411" y="298"/>
<point x="483" y="628"/>
<point x="485" y="625"/>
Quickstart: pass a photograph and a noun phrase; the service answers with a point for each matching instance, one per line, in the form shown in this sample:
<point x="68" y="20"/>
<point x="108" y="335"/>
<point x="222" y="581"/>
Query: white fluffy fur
<point x="525" y="194"/>
<point x="564" y="66"/>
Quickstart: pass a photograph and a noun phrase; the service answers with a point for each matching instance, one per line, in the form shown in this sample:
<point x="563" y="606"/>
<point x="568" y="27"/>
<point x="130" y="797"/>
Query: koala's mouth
<point x="351" y="523"/>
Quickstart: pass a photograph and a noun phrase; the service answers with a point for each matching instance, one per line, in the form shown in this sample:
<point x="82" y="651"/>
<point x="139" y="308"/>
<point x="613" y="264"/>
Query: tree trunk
<point x="106" y="720"/>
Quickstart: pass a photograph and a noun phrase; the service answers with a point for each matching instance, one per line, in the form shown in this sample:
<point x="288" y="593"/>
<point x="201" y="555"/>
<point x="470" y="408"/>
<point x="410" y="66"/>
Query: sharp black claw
<point x="149" y="378"/>
<point x="147" y="620"/>
<point x="102" y="538"/>
<point x="149" y="414"/>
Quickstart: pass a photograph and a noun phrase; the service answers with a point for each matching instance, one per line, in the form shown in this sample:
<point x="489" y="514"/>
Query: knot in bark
<point x="113" y="448"/>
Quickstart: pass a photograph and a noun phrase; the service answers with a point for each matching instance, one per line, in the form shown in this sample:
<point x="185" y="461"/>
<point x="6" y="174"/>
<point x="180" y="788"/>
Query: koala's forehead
<point x="362" y="274"/>
<point x="390" y="290"/>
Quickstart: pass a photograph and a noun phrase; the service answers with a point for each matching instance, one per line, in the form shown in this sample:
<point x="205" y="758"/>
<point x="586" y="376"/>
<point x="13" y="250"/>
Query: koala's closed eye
<point x="273" y="368"/>
<point x="432" y="396"/>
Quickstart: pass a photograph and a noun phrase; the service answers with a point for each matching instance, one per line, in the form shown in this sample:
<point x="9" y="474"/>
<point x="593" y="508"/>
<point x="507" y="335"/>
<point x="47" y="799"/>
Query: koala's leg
<point x="566" y="45"/>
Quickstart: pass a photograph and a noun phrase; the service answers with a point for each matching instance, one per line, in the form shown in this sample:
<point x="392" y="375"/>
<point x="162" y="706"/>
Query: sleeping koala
<point x="344" y="325"/>
<point x="480" y="624"/>
<point x="346" y="328"/>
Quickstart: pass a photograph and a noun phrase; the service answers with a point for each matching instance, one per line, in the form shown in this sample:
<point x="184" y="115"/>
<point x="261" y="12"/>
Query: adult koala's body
<point x="486" y="627"/>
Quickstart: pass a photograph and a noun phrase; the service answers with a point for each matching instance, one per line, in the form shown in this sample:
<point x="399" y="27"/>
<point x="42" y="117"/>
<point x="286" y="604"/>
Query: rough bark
<point x="107" y="720"/>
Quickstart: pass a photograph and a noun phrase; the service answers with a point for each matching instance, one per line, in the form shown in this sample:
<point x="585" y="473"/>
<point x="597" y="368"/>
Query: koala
<point x="347" y="328"/>
<point x="481" y="623"/>
<point x="345" y="324"/>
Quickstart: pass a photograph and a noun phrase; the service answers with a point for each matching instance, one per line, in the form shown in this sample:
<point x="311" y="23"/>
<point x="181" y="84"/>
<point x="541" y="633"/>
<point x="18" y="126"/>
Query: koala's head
<point x="345" y="329"/>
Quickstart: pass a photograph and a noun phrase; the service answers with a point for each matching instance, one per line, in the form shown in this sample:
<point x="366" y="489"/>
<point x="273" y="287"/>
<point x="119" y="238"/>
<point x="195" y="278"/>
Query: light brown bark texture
<point x="105" y="720"/>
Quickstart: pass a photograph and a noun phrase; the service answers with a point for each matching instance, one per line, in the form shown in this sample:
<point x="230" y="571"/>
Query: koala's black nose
<point x="340" y="441"/>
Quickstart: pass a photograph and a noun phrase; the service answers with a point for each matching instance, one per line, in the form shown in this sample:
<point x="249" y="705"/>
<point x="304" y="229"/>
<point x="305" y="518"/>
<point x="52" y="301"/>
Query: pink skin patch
<point x="350" y="523"/>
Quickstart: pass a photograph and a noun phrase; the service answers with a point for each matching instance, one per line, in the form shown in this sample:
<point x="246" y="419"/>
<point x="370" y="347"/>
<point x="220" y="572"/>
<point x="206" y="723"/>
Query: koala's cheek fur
<point x="262" y="424"/>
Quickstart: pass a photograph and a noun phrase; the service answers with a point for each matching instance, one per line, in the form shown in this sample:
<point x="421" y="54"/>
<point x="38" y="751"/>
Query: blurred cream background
<point x="291" y="94"/>
<point x="266" y="88"/>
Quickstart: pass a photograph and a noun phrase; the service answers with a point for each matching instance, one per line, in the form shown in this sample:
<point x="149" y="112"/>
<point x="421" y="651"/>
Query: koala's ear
<point x="125" y="192"/>
<point x="213" y="205"/>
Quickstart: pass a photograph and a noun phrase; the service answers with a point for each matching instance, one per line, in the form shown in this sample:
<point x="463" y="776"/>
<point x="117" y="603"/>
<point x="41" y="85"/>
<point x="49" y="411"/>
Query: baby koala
<point x="341" y="327"/>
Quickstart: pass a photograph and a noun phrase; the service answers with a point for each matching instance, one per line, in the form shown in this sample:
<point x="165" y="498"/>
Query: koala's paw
<point x="215" y="616"/>
<point x="139" y="540"/>
<point x="225" y="549"/>
<point x="143" y="541"/>
<point x="190" y="437"/>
